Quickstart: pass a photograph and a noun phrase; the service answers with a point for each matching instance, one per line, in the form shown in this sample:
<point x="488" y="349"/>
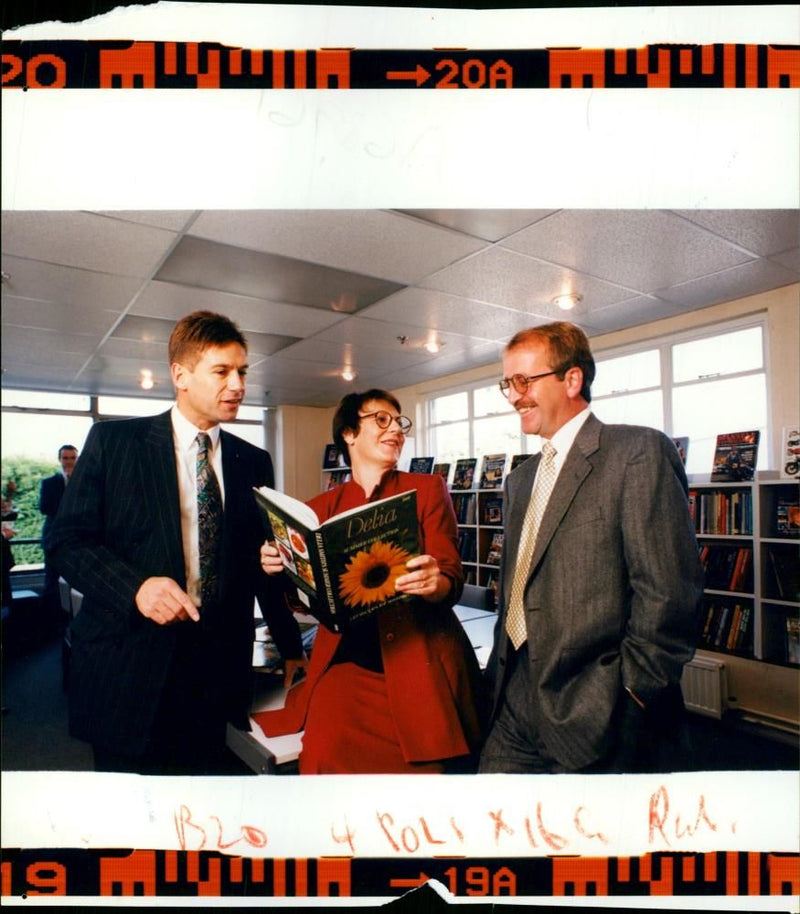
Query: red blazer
<point x="432" y="676"/>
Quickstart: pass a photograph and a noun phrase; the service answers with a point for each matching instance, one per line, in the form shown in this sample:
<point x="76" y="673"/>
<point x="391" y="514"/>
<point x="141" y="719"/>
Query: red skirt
<point x="349" y="727"/>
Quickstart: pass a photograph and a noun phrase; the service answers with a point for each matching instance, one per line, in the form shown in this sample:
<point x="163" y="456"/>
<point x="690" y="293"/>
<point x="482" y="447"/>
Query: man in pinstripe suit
<point x="601" y="612"/>
<point x="155" y="672"/>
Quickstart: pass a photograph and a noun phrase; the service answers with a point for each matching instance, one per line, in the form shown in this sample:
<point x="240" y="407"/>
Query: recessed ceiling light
<point x="433" y="345"/>
<point x="567" y="301"/>
<point x="146" y="381"/>
<point x="348" y="374"/>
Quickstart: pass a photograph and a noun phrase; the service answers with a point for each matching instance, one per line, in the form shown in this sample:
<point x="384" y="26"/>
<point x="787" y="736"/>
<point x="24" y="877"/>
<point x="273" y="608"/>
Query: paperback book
<point x="464" y="473"/>
<point x="421" y="465"/>
<point x="495" y="551"/>
<point x="492" y="472"/>
<point x="332" y="459"/>
<point x="682" y="444"/>
<point x="790" y="462"/>
<point x="442" y="469"/>
<point x="735" y="457"/>
<point x="346" y="567"/>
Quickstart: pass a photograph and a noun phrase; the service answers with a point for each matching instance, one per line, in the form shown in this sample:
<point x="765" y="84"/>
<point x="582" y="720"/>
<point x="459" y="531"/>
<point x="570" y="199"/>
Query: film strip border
<point x="158" y="873"/>
<point x="193" y="65"/>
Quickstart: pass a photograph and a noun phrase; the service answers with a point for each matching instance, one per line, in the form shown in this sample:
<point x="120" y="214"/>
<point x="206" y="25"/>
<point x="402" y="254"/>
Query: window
<point x="695" y="385"/>
<point x="472" y="423"/>
<point x="34" y="426"/>
<point x="698" y="384"/>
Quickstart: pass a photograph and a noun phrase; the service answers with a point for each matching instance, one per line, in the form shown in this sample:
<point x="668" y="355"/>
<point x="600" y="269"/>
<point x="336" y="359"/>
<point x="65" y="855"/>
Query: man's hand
<point x="271" y="558"/>
<point x="162" y="601"/>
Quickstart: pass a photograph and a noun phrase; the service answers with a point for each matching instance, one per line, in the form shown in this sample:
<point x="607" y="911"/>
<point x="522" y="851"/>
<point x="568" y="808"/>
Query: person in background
<point x="51" y="491"/>
<point x="160" y="532"/>
<point x="9" y="515"/>
<point x="600" y="581"/>
<point x="400" y="691"/>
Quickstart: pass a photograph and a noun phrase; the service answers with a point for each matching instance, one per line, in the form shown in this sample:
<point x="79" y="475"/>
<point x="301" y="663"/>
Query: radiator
<point x="705" y="686"/>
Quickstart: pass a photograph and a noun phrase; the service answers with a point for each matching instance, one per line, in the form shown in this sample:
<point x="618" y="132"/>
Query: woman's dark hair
<point x="346" y="417"/>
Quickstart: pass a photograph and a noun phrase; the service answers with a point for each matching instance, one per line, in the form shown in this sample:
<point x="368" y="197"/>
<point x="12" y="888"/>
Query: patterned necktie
<point x="545" y="478"/>
<point x="209" y="520"/>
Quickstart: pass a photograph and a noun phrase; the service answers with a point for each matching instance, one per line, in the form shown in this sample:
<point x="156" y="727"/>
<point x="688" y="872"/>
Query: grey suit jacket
<point x="118" y="524"/>
<point x="612" y="600"/>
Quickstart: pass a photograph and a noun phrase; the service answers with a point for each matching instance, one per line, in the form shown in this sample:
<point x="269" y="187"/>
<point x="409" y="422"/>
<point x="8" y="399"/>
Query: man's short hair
<point x="196" y="332"/>
<point x="346" y="418"/>
<point x="66" y="447"/>
<point x="567" y="346"/>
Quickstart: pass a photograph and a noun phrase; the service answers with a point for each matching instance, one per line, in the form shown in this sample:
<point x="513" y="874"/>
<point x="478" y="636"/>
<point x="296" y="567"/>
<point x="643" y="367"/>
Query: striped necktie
<point x="545" y="478"/>
<point x="209" y="520"/>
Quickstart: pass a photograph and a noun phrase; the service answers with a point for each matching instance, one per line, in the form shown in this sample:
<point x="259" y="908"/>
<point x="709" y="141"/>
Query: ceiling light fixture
<point x="146" y="381"/>
<point x="567" y="301"/>
<point x="348" y="374"/>
<point x="433" y="345"/>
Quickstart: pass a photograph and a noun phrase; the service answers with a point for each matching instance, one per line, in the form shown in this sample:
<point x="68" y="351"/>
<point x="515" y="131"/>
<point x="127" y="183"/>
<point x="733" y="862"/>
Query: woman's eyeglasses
<point x="384" y="420"/>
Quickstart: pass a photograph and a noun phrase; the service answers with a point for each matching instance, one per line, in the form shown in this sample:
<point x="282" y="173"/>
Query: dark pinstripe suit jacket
<point x="612" y="600"/>
<point x="119" y="523"/>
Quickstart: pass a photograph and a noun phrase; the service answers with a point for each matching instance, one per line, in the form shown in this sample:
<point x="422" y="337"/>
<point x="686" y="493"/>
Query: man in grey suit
<point x="159" y="530"/>
<point x="600" y="580"/>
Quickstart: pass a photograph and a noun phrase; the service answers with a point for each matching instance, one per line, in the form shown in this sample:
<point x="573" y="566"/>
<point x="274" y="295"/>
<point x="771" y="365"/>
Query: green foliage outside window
<point x="27" y="473"/>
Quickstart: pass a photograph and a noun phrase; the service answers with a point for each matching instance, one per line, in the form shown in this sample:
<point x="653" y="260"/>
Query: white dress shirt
<point x="184" y="436"/>
<point x="565" y="437"/>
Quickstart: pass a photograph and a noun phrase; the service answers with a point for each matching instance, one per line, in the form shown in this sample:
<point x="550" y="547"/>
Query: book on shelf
<point x="420" y="465"/>
<point x="492" y="510"/>
<point x="464" y="507"/>
<point x="727" y="567"/>
<point x="726" y="627"/>
<point x="787" y="515"/>
<point x="785" y="568"/>
<point x="464" y="473"/>
<point x="337" y="477"/>
<point x="727" y="511"/>
<point x="495" y="551"/>
<point x="442" y="469"/>
<point x="467" y="546"/>
<point x="793" y="639"/>
<point x="492" y="471"/>
<point x="345" y="566"/>
<point x="790" y="453"/>
<point x="517" y="459"/>
<point x="332" y="459"/>
<point x="735" y="457"/>
<point x="682" y="444"/>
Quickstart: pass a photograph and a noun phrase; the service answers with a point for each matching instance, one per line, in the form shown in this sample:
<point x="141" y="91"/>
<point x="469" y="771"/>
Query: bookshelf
<point x="479" y="513"/>
<point x="748" y="614"/>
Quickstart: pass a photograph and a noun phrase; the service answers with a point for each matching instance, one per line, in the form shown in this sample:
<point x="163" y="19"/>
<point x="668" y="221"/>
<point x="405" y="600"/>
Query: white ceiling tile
<point x="86" y="290"/>
<point x="629" y="313"/>
<point x="431" y="310"/>
<point x="52" y="316"/>
<point x="759" y="276"/>
<point x="512" y="280"/>
<point x="86" y="240"/>
<point x="789" y="259"/>
<point x="489" y="224"/>
<point x="338" y="354"/>
<point x="762" y="232"/>
<point x="172" y="220"/>
<point x="378" y="243"/>
<point x="172" y="301"/>
<point x="643" y="250"/>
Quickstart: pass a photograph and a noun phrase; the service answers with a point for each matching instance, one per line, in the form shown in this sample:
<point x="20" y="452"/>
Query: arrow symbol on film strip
<point x="409" y="883"/>
<point x="419" y="75"/>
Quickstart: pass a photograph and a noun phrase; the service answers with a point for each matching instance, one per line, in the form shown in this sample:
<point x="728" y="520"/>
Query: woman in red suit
<point x="400" y="692"/>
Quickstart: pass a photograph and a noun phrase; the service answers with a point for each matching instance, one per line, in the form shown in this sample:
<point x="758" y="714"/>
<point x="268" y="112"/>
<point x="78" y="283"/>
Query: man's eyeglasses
<point x="384" y="420"/>
<point x="521" y="382"/>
